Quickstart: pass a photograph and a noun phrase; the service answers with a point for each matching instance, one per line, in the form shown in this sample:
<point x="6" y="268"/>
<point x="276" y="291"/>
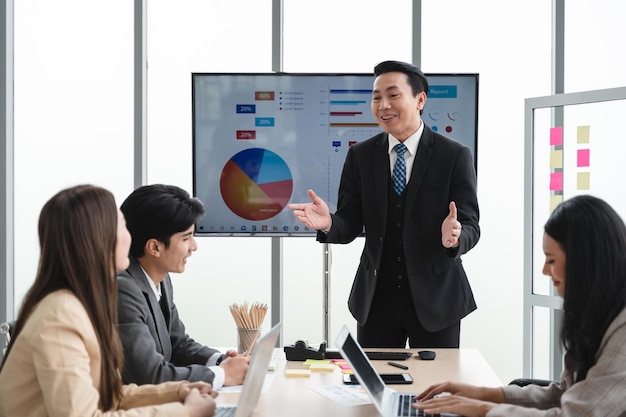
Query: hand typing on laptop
<point x="253" y="382"/>
<point x="390" y="403"/>
<point x="235" y="368"/>
<point x="455" y="397"/>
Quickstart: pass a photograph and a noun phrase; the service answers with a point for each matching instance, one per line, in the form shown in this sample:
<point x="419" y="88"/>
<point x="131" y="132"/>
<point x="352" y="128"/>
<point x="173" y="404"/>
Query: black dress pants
<point x="393" y="321"/>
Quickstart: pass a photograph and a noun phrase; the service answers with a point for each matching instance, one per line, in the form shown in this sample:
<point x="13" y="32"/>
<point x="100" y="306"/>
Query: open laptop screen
<point x="358" y="360"/>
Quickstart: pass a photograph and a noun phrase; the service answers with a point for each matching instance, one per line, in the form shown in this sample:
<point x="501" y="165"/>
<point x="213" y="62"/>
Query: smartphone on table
<point x="388" y="379"/>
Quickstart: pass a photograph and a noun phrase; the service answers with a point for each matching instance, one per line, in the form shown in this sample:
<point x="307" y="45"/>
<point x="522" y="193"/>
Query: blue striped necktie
<point x="399" y="169"/>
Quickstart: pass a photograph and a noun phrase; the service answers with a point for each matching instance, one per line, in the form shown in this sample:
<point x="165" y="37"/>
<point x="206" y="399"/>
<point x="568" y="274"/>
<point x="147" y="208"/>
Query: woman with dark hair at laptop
<point x="585" y="247"/>
<point x="65" y="356"/>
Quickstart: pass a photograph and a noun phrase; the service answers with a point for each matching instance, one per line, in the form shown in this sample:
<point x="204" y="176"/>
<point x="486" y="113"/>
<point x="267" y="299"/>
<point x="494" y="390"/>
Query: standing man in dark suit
<point x="161" y="220"/>
<point x="410" y="283"/>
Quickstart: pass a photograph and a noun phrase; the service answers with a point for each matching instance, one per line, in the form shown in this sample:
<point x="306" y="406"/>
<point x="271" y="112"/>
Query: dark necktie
<point x="399" y="169"/>
<point x="164" y="307"/>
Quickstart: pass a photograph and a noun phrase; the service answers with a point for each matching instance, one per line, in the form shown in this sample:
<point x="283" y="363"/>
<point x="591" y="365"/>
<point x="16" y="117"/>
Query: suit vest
<point x="393" y="266"/>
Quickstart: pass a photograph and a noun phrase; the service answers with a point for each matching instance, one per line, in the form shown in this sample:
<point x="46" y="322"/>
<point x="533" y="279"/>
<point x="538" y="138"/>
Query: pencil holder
<point x="248" y="320"/>
<point x="245" y="337"/>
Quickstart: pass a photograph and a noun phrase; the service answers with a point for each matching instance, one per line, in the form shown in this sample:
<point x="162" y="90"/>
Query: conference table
<point x="300" y="396"/>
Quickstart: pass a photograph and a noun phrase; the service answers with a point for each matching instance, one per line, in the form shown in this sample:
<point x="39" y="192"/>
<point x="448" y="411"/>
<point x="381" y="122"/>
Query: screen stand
<point x="326" y="301"/>
<point x="277" y="285"/>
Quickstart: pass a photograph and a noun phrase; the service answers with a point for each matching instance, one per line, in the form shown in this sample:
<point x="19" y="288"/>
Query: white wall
<point x="73" y="124"/>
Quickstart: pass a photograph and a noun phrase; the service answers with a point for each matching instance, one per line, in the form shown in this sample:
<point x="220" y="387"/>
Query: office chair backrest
<point x="522" y="382"/>
<point x="5" y="329"/>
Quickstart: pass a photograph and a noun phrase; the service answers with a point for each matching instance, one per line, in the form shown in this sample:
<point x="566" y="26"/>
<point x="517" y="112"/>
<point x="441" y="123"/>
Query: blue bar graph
<point x="343" y="91"/>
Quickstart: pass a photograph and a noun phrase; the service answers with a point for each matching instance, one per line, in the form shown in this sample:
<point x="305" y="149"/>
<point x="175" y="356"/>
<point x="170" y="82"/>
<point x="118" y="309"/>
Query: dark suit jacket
<point x="154" y="351"/>
<point x="443" y="171"/>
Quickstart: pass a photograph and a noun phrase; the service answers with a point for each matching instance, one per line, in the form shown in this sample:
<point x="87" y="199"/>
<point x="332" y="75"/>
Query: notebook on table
<point x="389" y="402"/>
<point x="253" y="382"/>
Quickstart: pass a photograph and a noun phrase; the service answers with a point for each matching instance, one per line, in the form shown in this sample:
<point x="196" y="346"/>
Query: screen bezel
<point x="227" y="222"/>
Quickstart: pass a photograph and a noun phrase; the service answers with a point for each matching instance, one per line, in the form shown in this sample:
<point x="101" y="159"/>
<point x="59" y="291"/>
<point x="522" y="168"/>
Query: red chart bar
<point x="345" y="113"/>
<point x="354" y="125"/>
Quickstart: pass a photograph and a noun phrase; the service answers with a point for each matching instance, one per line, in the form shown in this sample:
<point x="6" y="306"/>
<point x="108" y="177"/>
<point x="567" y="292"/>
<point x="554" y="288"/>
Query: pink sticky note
<point x="583" y="158"/>
<point x="556" y="181"/>
<point x="556" y="136"/>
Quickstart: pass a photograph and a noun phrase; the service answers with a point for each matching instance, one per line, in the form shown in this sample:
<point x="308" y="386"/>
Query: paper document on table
<point x="267" y="384"/>
<point x="273" y="362"/>
<point x="344" y="394"/>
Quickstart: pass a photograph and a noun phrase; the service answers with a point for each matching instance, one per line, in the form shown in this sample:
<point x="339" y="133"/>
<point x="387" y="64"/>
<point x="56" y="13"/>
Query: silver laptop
<point x="253" y="382"/>
<point x="390" y="403"/>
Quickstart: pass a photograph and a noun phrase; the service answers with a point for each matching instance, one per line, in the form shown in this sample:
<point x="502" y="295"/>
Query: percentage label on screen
<point x="264" y="121"/>
<point x="246" y="134"/>
<point x="264" y="95"/>
<point x="246" y="108"/>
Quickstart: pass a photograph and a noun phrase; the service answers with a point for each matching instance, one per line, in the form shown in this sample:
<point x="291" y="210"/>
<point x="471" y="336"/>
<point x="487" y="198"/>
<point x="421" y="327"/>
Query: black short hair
<point x="158" y="211"/>
<point x="415" y="77"/>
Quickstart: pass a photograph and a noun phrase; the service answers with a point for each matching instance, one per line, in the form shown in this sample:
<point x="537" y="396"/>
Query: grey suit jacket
<point x="600" y="394"/>
<point x="155" y="349"/>
<point x="443" y="171"/>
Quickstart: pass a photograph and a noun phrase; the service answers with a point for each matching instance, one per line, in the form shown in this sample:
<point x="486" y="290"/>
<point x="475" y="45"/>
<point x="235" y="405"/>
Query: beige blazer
<point x="600" y="394"/>
<point x="54" y="369"/>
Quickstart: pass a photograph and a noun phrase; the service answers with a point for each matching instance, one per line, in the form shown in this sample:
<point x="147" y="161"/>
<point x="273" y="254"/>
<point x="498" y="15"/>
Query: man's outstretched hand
<point x="315" y="215"/>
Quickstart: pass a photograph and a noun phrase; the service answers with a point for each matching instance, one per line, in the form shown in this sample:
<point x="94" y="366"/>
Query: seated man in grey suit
<point x="161" y="220"/>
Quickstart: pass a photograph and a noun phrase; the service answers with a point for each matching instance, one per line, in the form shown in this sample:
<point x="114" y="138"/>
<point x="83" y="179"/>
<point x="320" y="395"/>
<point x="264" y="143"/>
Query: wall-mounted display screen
<point x="260" y="141"/>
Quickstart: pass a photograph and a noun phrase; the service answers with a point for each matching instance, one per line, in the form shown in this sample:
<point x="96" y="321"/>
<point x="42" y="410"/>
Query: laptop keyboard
<point x="225" y="411"/>
<point x="405" y="409"/>
<point x="374" y="355"/>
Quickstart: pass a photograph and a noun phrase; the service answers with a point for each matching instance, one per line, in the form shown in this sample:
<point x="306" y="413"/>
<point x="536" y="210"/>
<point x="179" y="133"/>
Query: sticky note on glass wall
<point x="582" y="158"/>
<point x="555" y="200"/>
<point x="556" y="136"/>
<point x="583" y="181"/>
<point x="556" y="159"/>
<point x="582" y="134"/>
<point x="556" y="181"/>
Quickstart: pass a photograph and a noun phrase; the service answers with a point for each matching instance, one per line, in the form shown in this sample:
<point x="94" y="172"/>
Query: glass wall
<point x="73" y="124"/>
<point x="73" y="109"/>
<point x="512" y="56"/>
<point x="593" y="57"/>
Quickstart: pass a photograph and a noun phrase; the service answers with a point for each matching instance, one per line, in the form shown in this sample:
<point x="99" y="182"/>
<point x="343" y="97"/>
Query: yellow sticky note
<point x="310" y="362"/>
<point x="322" y="367"/>
<point x="582" y="134"/>
<point x="297" y="372"/>
<point x="555" y="200"/>
<point x="583" y="181"/>
<point x="556" y="159"/>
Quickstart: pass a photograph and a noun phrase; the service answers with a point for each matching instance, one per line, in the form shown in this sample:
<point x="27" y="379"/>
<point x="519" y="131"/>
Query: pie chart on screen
<point x="256" y="184"/>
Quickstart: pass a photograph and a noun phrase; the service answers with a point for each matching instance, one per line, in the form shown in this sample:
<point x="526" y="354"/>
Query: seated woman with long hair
<point x="584" y="242"/>
<point x="65" y="354"/>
